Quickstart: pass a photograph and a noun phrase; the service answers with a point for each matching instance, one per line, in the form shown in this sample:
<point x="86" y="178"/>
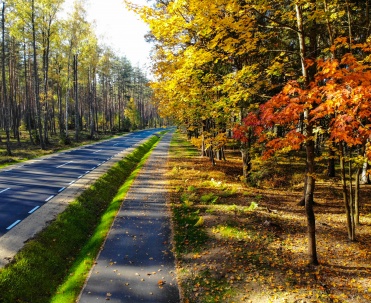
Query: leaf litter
<point x="258" y="254"/>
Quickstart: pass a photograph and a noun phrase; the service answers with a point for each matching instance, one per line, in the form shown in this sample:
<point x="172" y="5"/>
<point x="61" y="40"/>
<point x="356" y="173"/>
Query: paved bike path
<point x="136" y="263"/>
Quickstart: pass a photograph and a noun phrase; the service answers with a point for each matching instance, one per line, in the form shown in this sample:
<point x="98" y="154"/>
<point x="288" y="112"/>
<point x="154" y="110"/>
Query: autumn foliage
<point x="276" y="76"/>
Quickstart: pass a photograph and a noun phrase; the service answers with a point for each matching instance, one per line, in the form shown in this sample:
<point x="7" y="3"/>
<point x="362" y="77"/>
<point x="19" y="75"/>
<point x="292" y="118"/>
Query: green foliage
<point x="191" y="188"/>
<point x="253" y="206"/>
<point x="209" y="198"/>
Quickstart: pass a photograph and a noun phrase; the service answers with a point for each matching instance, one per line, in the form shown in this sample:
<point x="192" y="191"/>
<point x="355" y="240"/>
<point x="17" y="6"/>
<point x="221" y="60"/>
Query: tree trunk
<point x="246" y="160"/>
<point x="310" y="145"/>
<point x="351" y="232"/>
<point x="331" y="161"/>
<point x="75" y="86"/>
<point x="27" y="96"/>
<point x="46" y="80"/>
<point x="365" y="177"/>
<point x="36" y="77"/>
<point x="4" y="88"/>
<point x="356" y="196"/>
<point x="312" y="249"/>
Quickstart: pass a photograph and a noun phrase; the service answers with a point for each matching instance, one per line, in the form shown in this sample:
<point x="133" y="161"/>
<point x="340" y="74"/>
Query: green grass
<point x="182" y="149"/>
<point x="63" y="253"/>
<point x="188" y="237"/>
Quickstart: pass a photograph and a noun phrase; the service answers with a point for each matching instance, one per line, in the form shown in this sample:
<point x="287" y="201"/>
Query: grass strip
<point x="64" y="252"/>
<point x="188" y="237"/>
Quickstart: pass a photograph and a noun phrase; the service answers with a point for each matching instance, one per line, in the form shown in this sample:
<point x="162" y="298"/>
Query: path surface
<point x="136" y="263"/>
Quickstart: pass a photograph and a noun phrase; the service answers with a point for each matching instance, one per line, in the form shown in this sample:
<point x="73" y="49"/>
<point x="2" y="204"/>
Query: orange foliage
<point x="340" y="92"/>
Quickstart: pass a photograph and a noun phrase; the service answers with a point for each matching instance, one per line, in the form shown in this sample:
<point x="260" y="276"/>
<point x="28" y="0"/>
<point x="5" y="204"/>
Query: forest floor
<point x="238" y="243"/>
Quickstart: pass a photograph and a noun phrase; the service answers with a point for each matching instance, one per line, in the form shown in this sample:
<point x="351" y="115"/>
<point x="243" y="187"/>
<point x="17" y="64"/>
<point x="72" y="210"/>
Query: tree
<point x="4" y="85"/>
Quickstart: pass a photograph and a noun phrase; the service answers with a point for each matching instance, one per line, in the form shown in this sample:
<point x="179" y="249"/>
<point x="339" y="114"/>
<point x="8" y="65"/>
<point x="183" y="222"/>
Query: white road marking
<point x="64" y="164"/>
<point x="62" y="189"/>
<point x="33" y="210"/>
<point x="88" y="171"/>
<point x="72" y="182"/>
<point x="94" y="168"/>
<point x="51" y="197"/>
<point x="4" y="190"/>
<point x="79" y="177"/>
<point x="14" y="224"/>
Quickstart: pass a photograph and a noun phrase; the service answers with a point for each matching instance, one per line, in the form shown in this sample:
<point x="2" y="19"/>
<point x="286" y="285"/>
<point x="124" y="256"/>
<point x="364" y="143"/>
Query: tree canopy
<point x="58" y="77"/>
<point x="279" y="76"/>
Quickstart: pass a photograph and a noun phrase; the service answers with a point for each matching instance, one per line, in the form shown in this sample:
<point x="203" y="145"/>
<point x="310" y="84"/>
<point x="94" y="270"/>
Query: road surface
<point x="26" y="187"/>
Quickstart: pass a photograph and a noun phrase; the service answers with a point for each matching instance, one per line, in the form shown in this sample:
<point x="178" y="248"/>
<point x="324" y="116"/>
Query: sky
<point x="119" y="28"/>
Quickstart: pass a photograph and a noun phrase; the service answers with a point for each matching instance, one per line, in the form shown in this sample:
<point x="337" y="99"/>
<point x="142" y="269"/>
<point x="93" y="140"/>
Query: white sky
<point x="119" y="28"/>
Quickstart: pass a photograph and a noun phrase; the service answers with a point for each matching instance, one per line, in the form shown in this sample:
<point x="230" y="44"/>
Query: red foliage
<point x="340" y="92"/>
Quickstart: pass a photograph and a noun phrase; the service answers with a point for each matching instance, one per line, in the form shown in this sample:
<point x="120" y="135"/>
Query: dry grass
<point x="249" y="243"/>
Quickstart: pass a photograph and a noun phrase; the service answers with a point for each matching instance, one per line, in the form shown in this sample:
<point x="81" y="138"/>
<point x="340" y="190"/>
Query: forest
<point x="58" y="79"/>
<point x="279" y="77"/>
<point x="269" y="171"/>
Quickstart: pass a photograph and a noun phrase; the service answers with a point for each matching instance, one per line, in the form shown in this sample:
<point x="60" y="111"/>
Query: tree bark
<point x="4" y="88"/>
<point x="310" y="149"/>
<point x="75" y="86"/>
<point x="36" y="76"/>
<point x="350" y="229"/>
<point x="331" y="161"/>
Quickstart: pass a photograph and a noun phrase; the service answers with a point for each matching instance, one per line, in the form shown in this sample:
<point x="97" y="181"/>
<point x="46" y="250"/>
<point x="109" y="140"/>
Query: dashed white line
<point x="64" y="164"/>
<point x="62" y="189"/>
<point x="34" y="209"/>
<point x="88" y="171"/>
<point x="12" y="225"/>
<point x="79" y="177"/>
<point x="4" y="190"/>
<point x="51" y="197"/>
<point x="72" y="182"/>
<point x="94" y="168"/>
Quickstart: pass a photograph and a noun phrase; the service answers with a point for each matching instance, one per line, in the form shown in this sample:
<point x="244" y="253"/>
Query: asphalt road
<point x="25" y="188"/>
